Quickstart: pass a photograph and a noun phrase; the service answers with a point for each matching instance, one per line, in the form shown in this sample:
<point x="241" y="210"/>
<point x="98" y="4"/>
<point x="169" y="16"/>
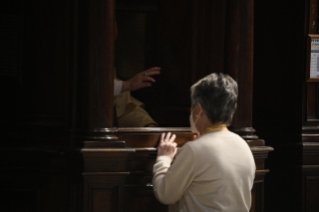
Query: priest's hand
<point x="141" y="80"/>
<point x="167" y="145"/>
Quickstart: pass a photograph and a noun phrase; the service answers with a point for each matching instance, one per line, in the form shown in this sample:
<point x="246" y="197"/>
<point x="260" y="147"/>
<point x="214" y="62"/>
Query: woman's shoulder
<point x="210" y="139"/>
<point x="219" y="134"/>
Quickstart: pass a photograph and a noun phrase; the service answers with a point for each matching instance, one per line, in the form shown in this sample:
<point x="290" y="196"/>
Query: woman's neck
<point x="205" y="124"/>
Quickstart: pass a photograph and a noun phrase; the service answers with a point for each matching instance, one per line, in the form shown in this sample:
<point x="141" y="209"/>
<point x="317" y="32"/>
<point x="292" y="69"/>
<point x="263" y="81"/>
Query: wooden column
<point x="95" y="64"/>
<point x="239" y="41"/>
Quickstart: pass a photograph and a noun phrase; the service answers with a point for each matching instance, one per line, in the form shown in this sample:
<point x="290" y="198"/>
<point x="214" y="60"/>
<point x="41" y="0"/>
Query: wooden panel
<point x="34" y="96"/>
<point x="313" y="16"/>
<point x="10" y="26"/>
<point x="312" y="102"/>
<point x="257" y="197"/>
<point x="312" y="193"/>
<point x="208" y="38"/>
<point x="312" y="88"/>
<point x="142" y="199"/>
<point x="40" y="180"/>
<point x="310" y="152"/>
<point x="103" y="198"/>
<point x="136" y="2"/>
<point x="30" y="190"/>
<point x="20" y="200"/>
<point x="257" y="192"/>
<point x="44" y="54"/>
<point x="103" y="191"/>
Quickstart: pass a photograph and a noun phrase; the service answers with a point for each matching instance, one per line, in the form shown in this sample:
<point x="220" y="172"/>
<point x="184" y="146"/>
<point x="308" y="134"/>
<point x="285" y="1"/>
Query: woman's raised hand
<point x="167" y="145"/>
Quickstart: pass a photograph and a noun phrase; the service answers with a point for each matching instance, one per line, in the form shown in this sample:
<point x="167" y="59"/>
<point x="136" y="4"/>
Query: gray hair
<point x="217" y="94"/>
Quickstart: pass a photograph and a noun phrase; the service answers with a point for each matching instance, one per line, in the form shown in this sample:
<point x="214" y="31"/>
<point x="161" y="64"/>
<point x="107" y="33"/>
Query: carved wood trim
<point x="310" y="127"/>
<point x="98" y="130"/>
<point x="262" y="171"/>
<point x="104" y="173"/>
<point x="261" y="149"/>
<point x="256" y="149"/>
<point x="153" y="129"/>
<point x="310" y="166"/>
<point x="249" y="136"/>
<point x="309" y="135"/>
<point x="137" y="8"/>
<point x="310" y="144"/>
<point x="86" y="150"/>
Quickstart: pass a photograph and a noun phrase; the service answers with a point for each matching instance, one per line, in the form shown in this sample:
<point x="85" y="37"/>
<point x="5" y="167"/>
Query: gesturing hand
<point x="196" y="136"/>
<point x="141" y="80"/>
<point x="167" y="145"/>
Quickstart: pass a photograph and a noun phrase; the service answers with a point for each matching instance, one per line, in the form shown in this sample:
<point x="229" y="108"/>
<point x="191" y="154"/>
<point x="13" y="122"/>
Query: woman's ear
<point x="199" y="109"/>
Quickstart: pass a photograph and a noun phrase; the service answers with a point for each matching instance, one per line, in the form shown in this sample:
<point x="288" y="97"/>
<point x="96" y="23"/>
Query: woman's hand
<point x="167" y="146"/>
<point x="141" y="80"/>
<point x="196" y="136"/>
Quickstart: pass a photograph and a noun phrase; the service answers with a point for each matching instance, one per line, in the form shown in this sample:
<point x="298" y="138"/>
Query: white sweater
<point x="213" y="173"/>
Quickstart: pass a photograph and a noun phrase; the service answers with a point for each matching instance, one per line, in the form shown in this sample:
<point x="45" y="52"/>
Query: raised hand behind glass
<point x="141" y="80"/>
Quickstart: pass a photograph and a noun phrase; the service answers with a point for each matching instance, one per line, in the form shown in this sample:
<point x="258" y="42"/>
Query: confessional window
<point x="146" y="38"/>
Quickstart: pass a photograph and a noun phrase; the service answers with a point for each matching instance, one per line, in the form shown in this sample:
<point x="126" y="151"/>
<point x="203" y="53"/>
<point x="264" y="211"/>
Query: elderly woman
<point x="215" y="172"/>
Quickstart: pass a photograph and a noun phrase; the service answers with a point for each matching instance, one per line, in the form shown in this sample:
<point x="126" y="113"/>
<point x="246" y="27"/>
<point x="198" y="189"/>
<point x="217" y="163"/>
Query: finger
<point x="172" y="139"/>
<point x="168" y="135"/>
<point x="144" y="85"/>
<point x="148" y="79"/>
<point x="153" y="69"/>
<point x="154" y="72"/>
<point x="194" y="137"/>
<point x="162" y="137"/>
<point x="174" y="144"/>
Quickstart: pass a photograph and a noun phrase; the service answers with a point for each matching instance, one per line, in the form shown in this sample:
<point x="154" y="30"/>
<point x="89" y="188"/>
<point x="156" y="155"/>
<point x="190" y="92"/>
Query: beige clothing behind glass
<point x="213" y="173"/>
<point x="130" y="112"/>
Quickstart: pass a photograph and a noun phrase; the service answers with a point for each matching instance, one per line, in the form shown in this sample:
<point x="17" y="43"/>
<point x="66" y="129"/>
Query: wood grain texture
<point x="95" y="64"/>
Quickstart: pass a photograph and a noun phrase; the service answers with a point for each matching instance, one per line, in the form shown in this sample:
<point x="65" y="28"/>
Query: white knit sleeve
<point x="171" y="181"/>
<point x="117" y="87"/>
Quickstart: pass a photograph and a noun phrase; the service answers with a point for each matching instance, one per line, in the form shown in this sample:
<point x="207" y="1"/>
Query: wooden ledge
<point x="90" y="150"/>
<point x="105" y="173"/>
<point x="261" y="149"/>
<point x="153" y="129"/>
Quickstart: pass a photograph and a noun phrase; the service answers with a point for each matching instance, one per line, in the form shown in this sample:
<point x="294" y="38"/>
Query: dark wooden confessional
<point x="285" y="105"/>
<point x="59" y="149"/>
